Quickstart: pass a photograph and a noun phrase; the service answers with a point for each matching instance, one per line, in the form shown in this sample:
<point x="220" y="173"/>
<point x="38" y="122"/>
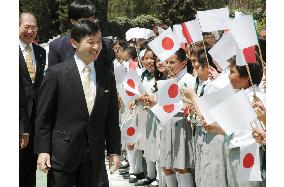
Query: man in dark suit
<point x="24" y="127"/>
<point x="77" y="114"/>
<point x="61" y="49"/>
<point x="32" y="63"/>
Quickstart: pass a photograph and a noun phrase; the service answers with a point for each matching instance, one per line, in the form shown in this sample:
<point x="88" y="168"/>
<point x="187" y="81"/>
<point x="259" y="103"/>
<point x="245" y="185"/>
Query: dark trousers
<point x="83" y="176"/>
<point x="27" y="164"/>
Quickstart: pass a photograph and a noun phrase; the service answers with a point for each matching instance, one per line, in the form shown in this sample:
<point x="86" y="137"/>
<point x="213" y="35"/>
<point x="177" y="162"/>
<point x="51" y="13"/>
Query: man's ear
<point x="74" y="43"/>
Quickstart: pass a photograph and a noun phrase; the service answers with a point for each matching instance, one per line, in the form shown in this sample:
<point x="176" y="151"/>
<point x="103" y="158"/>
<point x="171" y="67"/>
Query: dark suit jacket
<point x="23" y="109"/>
<point x="63" y="124"/>
<point x="61" y="50"/>
<point x="32" y="89"/>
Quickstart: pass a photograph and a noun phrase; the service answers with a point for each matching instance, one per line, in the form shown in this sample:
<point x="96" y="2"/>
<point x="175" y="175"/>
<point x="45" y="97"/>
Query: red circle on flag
<point x="130" y="131"/>
<point x="248" y="160"/>
<point x="173" y="91"/>
<point x="169" y="108"/>
<point x="131" y="83"/>
<point x="130" y="93"/>
<point x="167" y="43"/>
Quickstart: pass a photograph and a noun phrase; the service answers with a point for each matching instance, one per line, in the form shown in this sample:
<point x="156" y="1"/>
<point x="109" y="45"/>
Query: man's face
<point x="28" y="28"/>
<point x="89" y="47"/>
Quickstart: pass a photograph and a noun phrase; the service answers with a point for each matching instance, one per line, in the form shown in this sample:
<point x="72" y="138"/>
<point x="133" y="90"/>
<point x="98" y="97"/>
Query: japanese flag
<point x="129" y="132"/>
<point x="223" y="50"/>
<point x="213" y="20"/>
<point x="165" y="45"/>
<point x="245" y="56"/>
<point x="192" y="32"/>
<point x="168" y="92"/>
<point x="249" y="169"/>
<point x="165" y="112"/>
<point x="243" y="30"/>
<point x="126" y="96"/>
<point x="132" y="82"/>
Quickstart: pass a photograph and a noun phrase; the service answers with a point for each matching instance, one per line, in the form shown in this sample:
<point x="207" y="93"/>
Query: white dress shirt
<point x="81" y="65"/>
<point x="23" y="47"/>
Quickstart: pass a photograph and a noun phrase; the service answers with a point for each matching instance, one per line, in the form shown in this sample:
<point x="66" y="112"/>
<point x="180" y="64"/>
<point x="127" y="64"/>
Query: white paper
<point x="213" y="20"/>
<point x="163" y="116"/>
<point x="238" y="14"/>
<point x="234" y="113"/>
<point x="207" y="102"/>
<point x="250" y="173"/>
<point x="223" y="50"/>
<point x="243" y="30"/>
<point x="163" y="93"/>
<point x="157" y="48"/>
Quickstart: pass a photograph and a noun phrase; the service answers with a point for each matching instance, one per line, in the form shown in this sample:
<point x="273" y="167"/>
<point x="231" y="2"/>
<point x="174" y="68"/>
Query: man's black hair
<point x="84" y="28"/>
<point x="81" y="9"/>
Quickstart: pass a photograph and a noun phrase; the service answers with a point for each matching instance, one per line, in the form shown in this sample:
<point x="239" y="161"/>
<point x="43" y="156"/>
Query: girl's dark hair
<point x="132" y="52"/>
<point x="122" y="43"/>
<point x="84" y="28"/>
<point x="81" y="9"/>
<point x="181" y="54"/>
<point x="255" y="69"/>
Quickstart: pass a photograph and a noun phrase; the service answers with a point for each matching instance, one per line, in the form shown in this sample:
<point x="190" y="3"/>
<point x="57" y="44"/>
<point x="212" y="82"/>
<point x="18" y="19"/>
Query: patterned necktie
<point x="29" y="62"/>
<point x="88" y="91"/>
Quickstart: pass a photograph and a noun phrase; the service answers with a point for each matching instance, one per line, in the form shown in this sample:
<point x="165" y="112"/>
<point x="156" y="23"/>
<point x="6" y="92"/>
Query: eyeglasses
<point x="32" y="28"/>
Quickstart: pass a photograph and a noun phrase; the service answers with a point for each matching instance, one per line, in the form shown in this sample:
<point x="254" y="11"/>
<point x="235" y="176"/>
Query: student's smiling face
<point x="175" y="65"/>
<point x="89" y="47"/>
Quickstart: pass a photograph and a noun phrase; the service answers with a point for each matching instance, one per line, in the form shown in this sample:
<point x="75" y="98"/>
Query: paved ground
<point x="115" y="180"/>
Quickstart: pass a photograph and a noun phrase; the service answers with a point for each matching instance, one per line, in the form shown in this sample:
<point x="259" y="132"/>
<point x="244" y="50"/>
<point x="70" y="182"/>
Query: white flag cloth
<point x="234" y="114"/>
<point x="165" y="45"/>
<point x="178" y="31"/>
<point x="126" y="96"/>
<point x="166" y="112"/>
<point x="249" y="169"/>
<point x="213" y="20"/>
<point x="192" y="31"/>
<point x="207" y="102"/>
<point x="224" y="49"/>
<point x="245" y="56"/>
<point x="243" y="30"/>
<point x="129" y="132"/>
<point x="139" y="33"/>
<point x="132" y="82"/>
<point x="238" y="14"/>
<point x="168" y="92"/>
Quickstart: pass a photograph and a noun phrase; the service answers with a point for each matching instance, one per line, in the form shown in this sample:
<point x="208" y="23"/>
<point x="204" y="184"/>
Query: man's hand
<point x="213" y="128"/>
<point x="114" y="162"/>
<point x="43" y="162"/>
<point x="24" y="140"/>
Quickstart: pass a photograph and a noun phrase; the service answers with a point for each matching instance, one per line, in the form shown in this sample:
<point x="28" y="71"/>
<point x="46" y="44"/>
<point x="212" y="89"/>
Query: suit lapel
<point x="39" y="64"/>
<point x="23" y="65"/>
<point x="99" y="89"/>
<point x="76" y="84"/>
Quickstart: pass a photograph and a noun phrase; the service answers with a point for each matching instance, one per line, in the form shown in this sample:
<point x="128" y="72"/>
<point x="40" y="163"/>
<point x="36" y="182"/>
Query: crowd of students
<point x="186" y="151"/>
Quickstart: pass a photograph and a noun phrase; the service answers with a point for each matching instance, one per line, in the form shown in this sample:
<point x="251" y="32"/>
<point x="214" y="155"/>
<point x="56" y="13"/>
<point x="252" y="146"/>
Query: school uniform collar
<point x="181" y="74"/>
